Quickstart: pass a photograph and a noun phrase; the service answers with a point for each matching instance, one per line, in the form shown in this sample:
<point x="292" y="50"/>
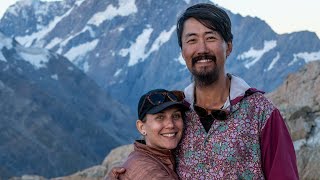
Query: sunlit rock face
<point x="299" y="101"/>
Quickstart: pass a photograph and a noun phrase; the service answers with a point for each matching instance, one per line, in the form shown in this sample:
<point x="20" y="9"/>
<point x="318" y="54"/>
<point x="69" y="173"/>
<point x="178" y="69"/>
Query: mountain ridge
<point x="122" y="44"/>
<point x="53" y="114"/>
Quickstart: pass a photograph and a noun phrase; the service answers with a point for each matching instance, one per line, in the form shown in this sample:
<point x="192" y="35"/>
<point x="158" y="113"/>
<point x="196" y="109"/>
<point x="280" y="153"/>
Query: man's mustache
<point x="202" y="57"/>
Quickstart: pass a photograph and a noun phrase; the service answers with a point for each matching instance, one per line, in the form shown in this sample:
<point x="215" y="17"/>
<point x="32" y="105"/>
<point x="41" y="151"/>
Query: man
<point x="231" y="131"/>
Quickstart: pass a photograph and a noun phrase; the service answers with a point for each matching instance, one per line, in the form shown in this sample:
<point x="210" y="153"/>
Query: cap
<point x="158" y="100"/>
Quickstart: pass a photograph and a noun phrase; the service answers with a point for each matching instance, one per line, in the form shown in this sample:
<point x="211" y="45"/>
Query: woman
<point x="161" y="124"/>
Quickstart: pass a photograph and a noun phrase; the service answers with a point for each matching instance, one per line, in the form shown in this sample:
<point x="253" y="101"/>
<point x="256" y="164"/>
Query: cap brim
<point x="166" y="105"/>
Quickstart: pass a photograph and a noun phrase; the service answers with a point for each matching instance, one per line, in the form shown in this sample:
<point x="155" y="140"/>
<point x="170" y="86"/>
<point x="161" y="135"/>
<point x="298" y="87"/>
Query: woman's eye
<point x="159" y="117"/>
<point x="177" y="116"/>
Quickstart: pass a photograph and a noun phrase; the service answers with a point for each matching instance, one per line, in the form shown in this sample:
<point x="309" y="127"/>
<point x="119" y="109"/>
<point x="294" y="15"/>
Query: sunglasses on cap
<point x="158" y="98"/>
<point x="219" y="114"/>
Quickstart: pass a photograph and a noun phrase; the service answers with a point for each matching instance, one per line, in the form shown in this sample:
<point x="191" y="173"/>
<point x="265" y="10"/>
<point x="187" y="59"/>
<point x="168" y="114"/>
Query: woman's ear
<point x="140" y="126"/>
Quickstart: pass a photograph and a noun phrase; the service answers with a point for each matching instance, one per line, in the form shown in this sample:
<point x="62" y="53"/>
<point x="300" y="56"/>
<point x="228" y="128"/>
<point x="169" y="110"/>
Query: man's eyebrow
<point x="190" y="34"/>
<point x="195" y="34"/>
<point x="211" y="32"/>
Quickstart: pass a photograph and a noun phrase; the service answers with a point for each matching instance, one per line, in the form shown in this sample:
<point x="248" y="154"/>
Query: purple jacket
<point x="253" y="143"/>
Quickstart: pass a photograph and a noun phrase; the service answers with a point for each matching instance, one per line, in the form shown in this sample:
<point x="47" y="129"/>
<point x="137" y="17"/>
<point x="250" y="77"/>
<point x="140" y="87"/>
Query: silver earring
<point x="144" y="133"/>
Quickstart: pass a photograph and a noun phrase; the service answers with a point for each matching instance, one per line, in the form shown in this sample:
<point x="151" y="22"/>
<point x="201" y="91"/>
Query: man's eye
<point x="211" y="38"/>
<point x="191" y="40"/>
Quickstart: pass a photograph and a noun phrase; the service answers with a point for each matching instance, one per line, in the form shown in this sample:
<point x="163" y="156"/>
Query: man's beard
<point x="206" y="76"/>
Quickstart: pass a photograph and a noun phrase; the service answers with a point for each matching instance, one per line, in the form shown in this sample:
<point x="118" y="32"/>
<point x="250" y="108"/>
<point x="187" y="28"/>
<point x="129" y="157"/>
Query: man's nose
<point x="202" y="47"/>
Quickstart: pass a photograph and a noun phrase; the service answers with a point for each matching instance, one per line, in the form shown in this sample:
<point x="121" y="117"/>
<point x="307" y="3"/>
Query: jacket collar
<point x="164" y="155"/>
<point x="238" y="90"/>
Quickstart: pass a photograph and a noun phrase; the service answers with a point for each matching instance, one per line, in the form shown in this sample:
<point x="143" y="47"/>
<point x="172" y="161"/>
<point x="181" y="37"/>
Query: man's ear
<point x="140" y="127"/>
<point x="229" y="48"/>
<point x="183" y="58"/>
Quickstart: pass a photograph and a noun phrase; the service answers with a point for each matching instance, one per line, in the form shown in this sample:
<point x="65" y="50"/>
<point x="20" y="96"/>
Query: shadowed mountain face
<point x="130" y="47"/>
<point x="53" y="118"/>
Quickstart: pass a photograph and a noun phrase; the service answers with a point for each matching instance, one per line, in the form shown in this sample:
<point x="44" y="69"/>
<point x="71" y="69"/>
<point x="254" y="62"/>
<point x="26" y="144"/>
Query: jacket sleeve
<point x="277" y="151"/>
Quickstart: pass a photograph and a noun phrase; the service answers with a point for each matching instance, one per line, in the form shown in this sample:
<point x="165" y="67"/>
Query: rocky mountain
<point x="54" y="120"/>
<point x="130" y="46"/>
<point x="299" y="101"/>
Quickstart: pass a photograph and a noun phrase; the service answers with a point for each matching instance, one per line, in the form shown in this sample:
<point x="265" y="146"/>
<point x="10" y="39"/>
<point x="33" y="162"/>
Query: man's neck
<point x="213" y="96"/>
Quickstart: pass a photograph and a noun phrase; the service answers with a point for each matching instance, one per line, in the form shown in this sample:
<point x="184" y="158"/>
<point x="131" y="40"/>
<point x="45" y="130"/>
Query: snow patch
<point x="55" y="77"/>
<point x="81" y="50"/>
<point x="53" y="43"/>
<point x="274" y="61"/>
<point x="91" y="31"/>
<point x="27" y="40"/>
<point x="163" y="37"/>
<point x="69" y="37"/>
<point x="37" y="57"/>
<point x="120" y="29"/>
<point x="126" y="8"/>
<point x="64" y="42"/>
<point x="307" y="57"/>
<point x="254" y="55"/>
<point x="5" y="42"/>
<point x="25" y="3"/>
<point x="2" y="58"/>
<point x="117" y="73"/>
<point x="79" y="2"/>
<point x="137" y="50"/>
<point x="181" y="60"/>
<point x="13" y="10"/>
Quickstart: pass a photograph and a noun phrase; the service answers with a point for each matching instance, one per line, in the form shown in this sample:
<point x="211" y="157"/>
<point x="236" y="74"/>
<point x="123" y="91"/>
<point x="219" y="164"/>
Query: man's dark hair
<point x="209" y="15"/>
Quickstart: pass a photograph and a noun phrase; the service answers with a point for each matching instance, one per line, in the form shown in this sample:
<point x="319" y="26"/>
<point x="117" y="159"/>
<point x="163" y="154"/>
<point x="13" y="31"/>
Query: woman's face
<point x="163" y="130"/>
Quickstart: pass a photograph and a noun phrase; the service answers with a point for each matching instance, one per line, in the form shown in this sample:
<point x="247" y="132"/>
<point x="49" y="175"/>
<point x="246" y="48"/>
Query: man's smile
<point x="203" y="59"/>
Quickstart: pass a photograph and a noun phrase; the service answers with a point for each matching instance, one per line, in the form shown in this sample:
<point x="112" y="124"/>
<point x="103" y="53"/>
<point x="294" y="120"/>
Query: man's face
<point x="204" y="51"/>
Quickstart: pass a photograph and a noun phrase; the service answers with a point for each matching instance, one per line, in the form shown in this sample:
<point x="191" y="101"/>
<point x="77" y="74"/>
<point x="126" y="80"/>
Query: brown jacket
<point x="146" y="163"/>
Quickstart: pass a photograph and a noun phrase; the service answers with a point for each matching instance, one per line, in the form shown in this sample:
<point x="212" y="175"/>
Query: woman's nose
<point x="170" y="123"/>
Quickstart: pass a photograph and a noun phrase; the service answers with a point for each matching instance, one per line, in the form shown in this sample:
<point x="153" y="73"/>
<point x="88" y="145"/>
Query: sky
<point x="284" y="16"/>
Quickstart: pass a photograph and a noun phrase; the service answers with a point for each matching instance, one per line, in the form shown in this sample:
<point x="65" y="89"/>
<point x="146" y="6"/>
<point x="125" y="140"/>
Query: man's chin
<point x="199" y="69"/>
<point x="203" y="72"/>
<point x="205" y="77"/>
